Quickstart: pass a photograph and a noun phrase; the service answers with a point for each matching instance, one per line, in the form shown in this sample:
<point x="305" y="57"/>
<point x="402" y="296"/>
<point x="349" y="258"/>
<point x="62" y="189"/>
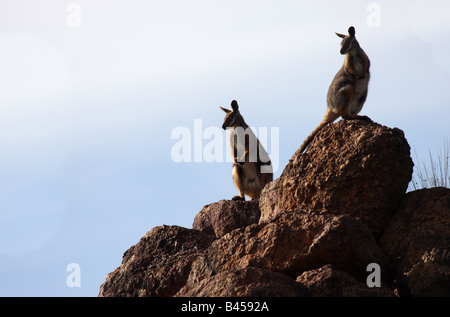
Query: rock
<point x="291" y="244"/>
<point x="418" y="234"/>
<point x="158" y="265"/>
<point x="329" y="282"/>
<point x="269" y="201"/>
<point x="429" y="280"/>
<point x="351" y="167"/>
<point x="226" y="215"/>
<point x="248" y="282"/>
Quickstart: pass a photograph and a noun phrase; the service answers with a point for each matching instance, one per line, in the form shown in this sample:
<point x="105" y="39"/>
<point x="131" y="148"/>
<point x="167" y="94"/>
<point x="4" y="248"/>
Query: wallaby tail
<point x="330" y="116"/>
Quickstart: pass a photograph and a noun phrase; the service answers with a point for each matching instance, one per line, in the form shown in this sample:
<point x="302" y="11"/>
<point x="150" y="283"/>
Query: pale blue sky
<point x="86" y="113"/>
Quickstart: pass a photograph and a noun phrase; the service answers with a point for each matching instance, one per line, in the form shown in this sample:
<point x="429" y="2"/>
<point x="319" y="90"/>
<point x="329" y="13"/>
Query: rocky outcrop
<point x="335" y="209"/>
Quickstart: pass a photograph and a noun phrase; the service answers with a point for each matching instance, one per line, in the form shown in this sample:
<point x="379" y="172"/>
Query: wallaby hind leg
<point x="339" y="102"/>
<point x="238" y="178"/>
<point x="355" y="108"/>
<point x="343" y="103"/>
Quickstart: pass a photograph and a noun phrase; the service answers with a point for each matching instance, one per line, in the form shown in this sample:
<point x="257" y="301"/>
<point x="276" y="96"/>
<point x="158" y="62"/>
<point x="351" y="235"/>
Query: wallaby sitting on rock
<point x="348" y="90"/>
<point x="252" y="168"/>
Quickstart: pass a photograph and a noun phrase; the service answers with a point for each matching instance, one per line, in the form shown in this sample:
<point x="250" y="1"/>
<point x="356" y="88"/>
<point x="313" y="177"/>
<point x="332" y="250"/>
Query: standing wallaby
<point x="252" y="168"/>
<point x="348" y="90"/>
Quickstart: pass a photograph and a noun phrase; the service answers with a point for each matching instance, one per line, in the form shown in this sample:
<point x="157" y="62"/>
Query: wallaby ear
<point x="351" y="31"/>
<point x="234" y="106"/>
<point x="341" y="35"/>
<point x="225" y="110"/>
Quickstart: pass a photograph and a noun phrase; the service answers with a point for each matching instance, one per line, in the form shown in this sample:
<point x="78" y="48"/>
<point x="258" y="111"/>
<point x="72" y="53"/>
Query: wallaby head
<point x="233" y="117"/>
<point x="349" y="42"/>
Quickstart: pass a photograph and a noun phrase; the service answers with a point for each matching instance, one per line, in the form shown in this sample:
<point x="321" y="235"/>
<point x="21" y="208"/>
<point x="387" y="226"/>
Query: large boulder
<point x="417" y="241"/>
<point x="351" y="167"/>
<point x="158" y="265"/>
<point x="224" y="216"/>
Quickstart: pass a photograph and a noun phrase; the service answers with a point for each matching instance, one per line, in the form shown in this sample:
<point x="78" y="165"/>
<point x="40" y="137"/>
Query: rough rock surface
<point x="226" y="215"/>
<point x="269" y="202"/>
<point x="418" y="242"/>
<point x="248" y="282"/>
<point x="158" y="265"/>
<point x="356" y="168"/>
<point x="329" y="282"/>
<point x="335" y="209"/>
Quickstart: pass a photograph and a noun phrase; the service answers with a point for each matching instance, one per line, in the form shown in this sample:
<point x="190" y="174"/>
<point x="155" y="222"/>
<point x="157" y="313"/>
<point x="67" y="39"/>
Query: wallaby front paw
<point x="238" y="198"/>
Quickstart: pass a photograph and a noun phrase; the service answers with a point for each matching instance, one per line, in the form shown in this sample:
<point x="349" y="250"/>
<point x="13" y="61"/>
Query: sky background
<point x="88" y="107"/>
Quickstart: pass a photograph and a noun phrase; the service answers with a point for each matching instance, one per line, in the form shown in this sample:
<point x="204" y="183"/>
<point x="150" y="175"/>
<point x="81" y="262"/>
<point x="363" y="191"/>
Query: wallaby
<point x="252" y="168"/>
<point x="348" y="90"/>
